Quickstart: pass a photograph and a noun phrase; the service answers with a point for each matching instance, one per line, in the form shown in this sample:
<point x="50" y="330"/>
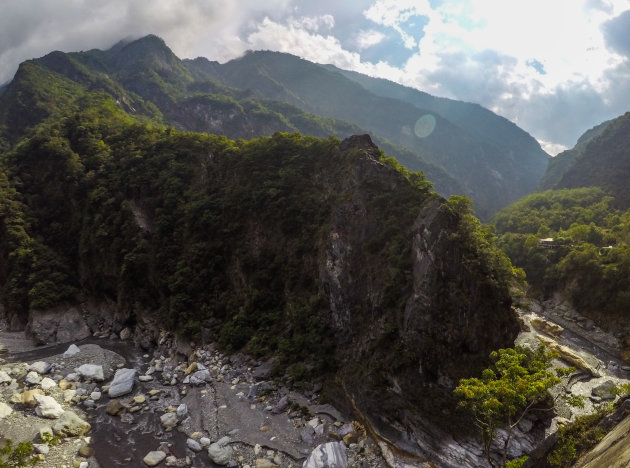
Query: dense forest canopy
<point x="587" y="254"/>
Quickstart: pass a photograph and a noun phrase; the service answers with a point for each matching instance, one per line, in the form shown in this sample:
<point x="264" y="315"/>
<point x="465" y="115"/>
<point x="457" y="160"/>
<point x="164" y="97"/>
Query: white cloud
<point x="393" y="13"/>
<point x="368" y="38"/>
<point x="33" y="28"/>
<point x="552" y="148"/>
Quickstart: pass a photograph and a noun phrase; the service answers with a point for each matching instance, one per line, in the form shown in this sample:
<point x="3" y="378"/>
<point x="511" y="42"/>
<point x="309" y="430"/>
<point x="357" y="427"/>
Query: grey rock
<point x="345" y="430"/>
<point x="307" y="435"/>
<point x="59" y="324"/>
<point x="71" y="351"/>
<point x="263" y="371"/>
<point x="220" y="452"/>
<point x="200" y="377"/>
<point x="32" y="378"/>
<point x="5" y="378"/>
<point x="169" y="420"/>
<point x="182" y="410"/>
<point x="329" y="455"/>
<point x="193" y="445"/>
<point x="122" y="383"/>
<point x="41" y="448"/>
<point x="40" y="367"/>
<point x="91" y="372"/>
<point x="69" y="424"/>
<point x="604" y="390"/>
<point x="281" y="406"/>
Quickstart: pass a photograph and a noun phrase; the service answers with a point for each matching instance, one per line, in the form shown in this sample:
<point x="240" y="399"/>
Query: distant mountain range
<point x="461" y="147"/>
<point x="601" y="158"/>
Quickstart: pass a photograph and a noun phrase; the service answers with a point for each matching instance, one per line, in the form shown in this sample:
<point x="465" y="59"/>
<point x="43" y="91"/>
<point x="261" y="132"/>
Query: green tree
<point x="518" y="381"/>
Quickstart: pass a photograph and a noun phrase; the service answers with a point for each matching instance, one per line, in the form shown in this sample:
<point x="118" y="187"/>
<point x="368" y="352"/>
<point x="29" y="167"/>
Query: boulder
<point x="59" y="324"/>
<point x="199" y="377"/>
<point x="169" y="420"/>
<point x="281" y="406"/>
<point x="329" y="455"/>
<point x="47" y="407"/>
<point x="605" y="390"/>
<point x="71" y="351"/>
<point x="47" y="383"/>
<point x="5" y="378"/>
<point x="122" y="383"/>
<point x="41" y="448"/>
<point x="193" y="445"/>
<point x="5" y="410"/>
<point x="69" y="424"/>
<point x="219" y="452"/>
<point x="182" y="410"/>
<point x="154" y="458"/>
<point x="40" y="367"/>
<point x="32" y="378"/>
<point x="91" y="372"/>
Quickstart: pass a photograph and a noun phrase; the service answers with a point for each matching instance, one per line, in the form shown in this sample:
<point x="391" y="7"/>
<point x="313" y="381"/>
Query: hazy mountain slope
<point x="471" y="117"/>
<point x="604" y="161"/>
<point x="493" y="171"/>
<point x="560" y="164"/>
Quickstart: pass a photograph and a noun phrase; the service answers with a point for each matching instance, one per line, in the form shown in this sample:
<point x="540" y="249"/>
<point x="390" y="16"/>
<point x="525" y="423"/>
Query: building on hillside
<point x="548" y="243"/>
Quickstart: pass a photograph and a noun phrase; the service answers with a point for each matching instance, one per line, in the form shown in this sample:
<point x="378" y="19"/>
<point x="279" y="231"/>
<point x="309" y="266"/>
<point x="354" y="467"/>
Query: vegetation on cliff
<point x="586" y="254"/>
<point x="325" y="253"/>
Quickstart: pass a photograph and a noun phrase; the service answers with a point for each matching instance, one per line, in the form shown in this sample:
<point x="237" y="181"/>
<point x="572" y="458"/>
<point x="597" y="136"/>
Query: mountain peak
<point x="148" y="50"/>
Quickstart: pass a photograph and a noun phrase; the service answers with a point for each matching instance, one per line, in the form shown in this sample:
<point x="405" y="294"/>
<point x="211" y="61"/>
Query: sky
<point x="554" y="67"/>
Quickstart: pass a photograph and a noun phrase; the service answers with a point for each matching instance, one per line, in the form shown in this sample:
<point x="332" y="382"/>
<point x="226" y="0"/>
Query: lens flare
<point x="424" y="126"/>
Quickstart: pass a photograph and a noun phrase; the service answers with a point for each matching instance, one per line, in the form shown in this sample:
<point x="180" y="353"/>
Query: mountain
<point x="601" y="158"/>
<point x="494" y="160"/>
<point x="559" y="164"/>
<point x="147" y="79"/>
<point x="325" y="254"/>
<point x="461" y="147"/>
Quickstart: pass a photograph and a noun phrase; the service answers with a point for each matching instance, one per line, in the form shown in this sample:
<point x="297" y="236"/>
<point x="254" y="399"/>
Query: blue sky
<point x="555" y="68"/>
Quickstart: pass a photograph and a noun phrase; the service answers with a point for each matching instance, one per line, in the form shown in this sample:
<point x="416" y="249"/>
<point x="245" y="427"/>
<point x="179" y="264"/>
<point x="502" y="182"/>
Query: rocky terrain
<point x="151" y="409"/>
<point x="109" y="403"/>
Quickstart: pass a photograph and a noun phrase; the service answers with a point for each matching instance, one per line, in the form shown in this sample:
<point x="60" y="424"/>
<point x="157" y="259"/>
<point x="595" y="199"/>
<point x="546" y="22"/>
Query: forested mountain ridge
<point x="462" y="153"/>
<point x="560" y="163"/>
<point x="147" y="79"/>
<point x="494" y="160"/>
<point x="601" y="158"/>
